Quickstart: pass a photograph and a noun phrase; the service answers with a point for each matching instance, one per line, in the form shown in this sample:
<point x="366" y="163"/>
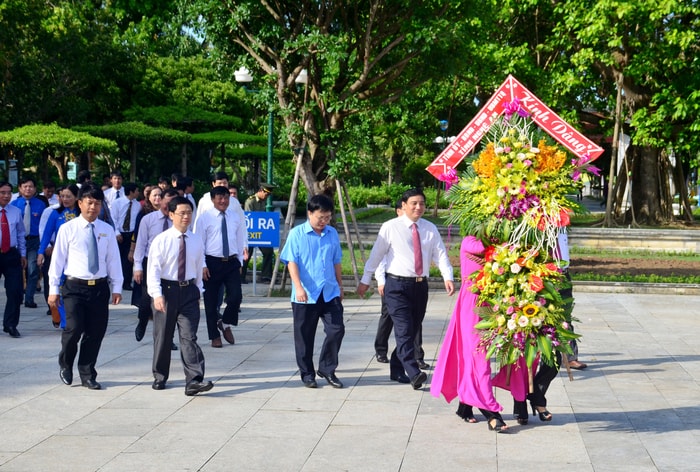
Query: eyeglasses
<point x="183" y="214"/>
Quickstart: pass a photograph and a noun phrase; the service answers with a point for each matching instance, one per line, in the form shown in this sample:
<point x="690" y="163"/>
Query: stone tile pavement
<point x="636" y="408"/>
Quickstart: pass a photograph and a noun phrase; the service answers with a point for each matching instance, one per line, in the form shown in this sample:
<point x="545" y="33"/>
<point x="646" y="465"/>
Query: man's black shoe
<point x="91" y="384"/>
<point x="423" y="365"/>
<point x="140" y="330"/>
<point x="12" y="331"/>
<point x="331" y="379"/>
<point x="66" y="375"/>
<point x="418" y="379"/>
<point x="400" y="378"/>
<point x="310" y="383"/>
<point x="30" y="305"/>
<point x="193" y="388"/>
<point x="382" y="358"/>
<point x="158" y="385"/>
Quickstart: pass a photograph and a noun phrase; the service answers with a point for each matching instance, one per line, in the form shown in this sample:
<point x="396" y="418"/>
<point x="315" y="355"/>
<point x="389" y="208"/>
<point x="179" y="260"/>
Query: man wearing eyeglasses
<point x="174" y="282"/>
<point x="257" y="202"/>
<point x="312" y="254"/>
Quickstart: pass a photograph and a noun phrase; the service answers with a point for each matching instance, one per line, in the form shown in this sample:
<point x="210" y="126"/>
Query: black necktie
<point x="182" y="260"/>
<point x="165" y="223"/>
<point x="127" y="218"/>
<point x="224" y="233"/>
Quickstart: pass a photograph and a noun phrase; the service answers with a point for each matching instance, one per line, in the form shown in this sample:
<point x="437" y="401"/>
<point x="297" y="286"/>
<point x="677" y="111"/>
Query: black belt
<point x="175" y="283"/>
<point x="89" y="282"/>
<point x="407" y="279"/>
<point x="224" y="259"/>
<point x="31" y="237"/>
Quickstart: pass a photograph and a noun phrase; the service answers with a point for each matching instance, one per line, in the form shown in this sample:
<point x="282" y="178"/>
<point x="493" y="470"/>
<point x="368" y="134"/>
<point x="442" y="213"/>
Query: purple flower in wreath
<point x="582" y="165"/>
<point x="518" y="206"/>
<point x="450" y="178"/>
<point x="511" y="108"/>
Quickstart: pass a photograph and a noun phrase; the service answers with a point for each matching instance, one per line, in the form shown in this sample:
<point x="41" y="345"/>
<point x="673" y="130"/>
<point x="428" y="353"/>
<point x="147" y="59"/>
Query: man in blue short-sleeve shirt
<point x="312" y="254"/>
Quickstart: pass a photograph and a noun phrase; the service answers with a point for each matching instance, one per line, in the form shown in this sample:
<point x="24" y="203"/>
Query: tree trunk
<point x="183" y="159"/>
<point x="132" y="171"/>
<point x="60" y="163"/>
<point x="679" y="182"/>
<point x="649" y="182"/>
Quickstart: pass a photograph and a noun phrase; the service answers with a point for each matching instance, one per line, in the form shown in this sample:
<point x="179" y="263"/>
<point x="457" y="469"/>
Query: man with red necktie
<point x="409" y="243"/>
<point x="175" y="261"/>
<point x="12" y="257"/>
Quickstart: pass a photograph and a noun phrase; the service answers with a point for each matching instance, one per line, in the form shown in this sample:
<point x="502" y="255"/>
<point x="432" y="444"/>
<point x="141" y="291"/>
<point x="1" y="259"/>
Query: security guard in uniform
<point x="257" y="202"/>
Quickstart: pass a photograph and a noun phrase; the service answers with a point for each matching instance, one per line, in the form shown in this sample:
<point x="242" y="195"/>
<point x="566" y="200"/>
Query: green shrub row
<point x="361" y="196"/>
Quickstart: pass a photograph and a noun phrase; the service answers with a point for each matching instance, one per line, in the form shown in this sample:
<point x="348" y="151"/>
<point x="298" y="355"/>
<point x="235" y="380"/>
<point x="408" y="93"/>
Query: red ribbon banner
<point x="540" y="113"/>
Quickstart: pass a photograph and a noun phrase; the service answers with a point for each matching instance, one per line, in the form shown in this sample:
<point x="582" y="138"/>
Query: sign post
<point x="263" y="229"/>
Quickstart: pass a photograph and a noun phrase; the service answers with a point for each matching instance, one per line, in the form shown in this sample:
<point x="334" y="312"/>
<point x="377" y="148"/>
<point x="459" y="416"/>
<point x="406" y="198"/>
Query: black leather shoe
<point x="91" y="384"/>
<point x="310" y="383"/>
<point x="66" y="376"/>
<point x="173" y="347"/>
<point x="400" y="378"/>
<point x="418" y="379"/>
<point x="331" y="379"/>
<point x="30" y="305"/>
<point x="193" y="388"/>
<point x="140" y="330"/>
<point x="12" y="331"/>
<point x="382" y="358"/>
<point x="158" y="385"/>
<point x="423" y="365"/>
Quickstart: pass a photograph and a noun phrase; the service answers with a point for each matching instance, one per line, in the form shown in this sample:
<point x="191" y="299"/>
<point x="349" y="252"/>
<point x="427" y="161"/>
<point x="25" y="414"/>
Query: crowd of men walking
<point x="92" y="243"/>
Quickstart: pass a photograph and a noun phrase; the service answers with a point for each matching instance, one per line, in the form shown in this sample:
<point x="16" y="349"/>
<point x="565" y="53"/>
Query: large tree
<point x="358" y="54"/>
<point x="646" y="48"/>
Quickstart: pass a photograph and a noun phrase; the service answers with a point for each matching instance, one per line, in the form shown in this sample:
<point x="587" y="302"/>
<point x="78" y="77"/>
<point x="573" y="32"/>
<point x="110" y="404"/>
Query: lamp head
<point x="242" y="75"/>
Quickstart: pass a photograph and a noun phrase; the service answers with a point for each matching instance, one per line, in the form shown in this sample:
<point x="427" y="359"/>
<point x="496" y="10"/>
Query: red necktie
<point x="5" y="233"/>
<point x="417" y="252"/>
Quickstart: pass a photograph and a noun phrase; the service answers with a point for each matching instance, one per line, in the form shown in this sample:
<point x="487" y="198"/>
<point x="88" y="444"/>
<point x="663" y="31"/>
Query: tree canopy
<point x="381" y="75"/>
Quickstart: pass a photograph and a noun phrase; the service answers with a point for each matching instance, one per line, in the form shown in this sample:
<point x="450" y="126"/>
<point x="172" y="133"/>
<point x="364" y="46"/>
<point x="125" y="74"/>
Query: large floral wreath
<point x="513" y="195"/>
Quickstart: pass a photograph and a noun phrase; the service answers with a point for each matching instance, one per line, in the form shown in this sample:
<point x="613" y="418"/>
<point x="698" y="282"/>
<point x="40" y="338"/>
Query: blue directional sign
<point x="263" y="228"/>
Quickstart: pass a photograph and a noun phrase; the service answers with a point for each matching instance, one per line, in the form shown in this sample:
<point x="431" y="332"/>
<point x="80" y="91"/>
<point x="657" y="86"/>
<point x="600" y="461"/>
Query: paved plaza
<point x="636" y="408"/>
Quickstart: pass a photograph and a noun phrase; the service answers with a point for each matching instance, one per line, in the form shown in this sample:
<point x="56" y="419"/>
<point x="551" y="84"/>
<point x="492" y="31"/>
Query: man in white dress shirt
<point x="219" y="179"/>
<point x="175" y="261"/>
<point x="223" y="258"/>
<point x="124" y="213"/>
<point x="409" y="243"/>
<point x="116" y="190"/>
<point x="85" y="252"/>
<point x="13" y="257"/>
<point x="150" y="226"/>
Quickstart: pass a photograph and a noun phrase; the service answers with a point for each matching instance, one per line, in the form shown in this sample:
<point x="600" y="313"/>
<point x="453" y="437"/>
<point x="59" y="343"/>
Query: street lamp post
<point x="442" y="142"/>
<point x="243" y="76"/>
